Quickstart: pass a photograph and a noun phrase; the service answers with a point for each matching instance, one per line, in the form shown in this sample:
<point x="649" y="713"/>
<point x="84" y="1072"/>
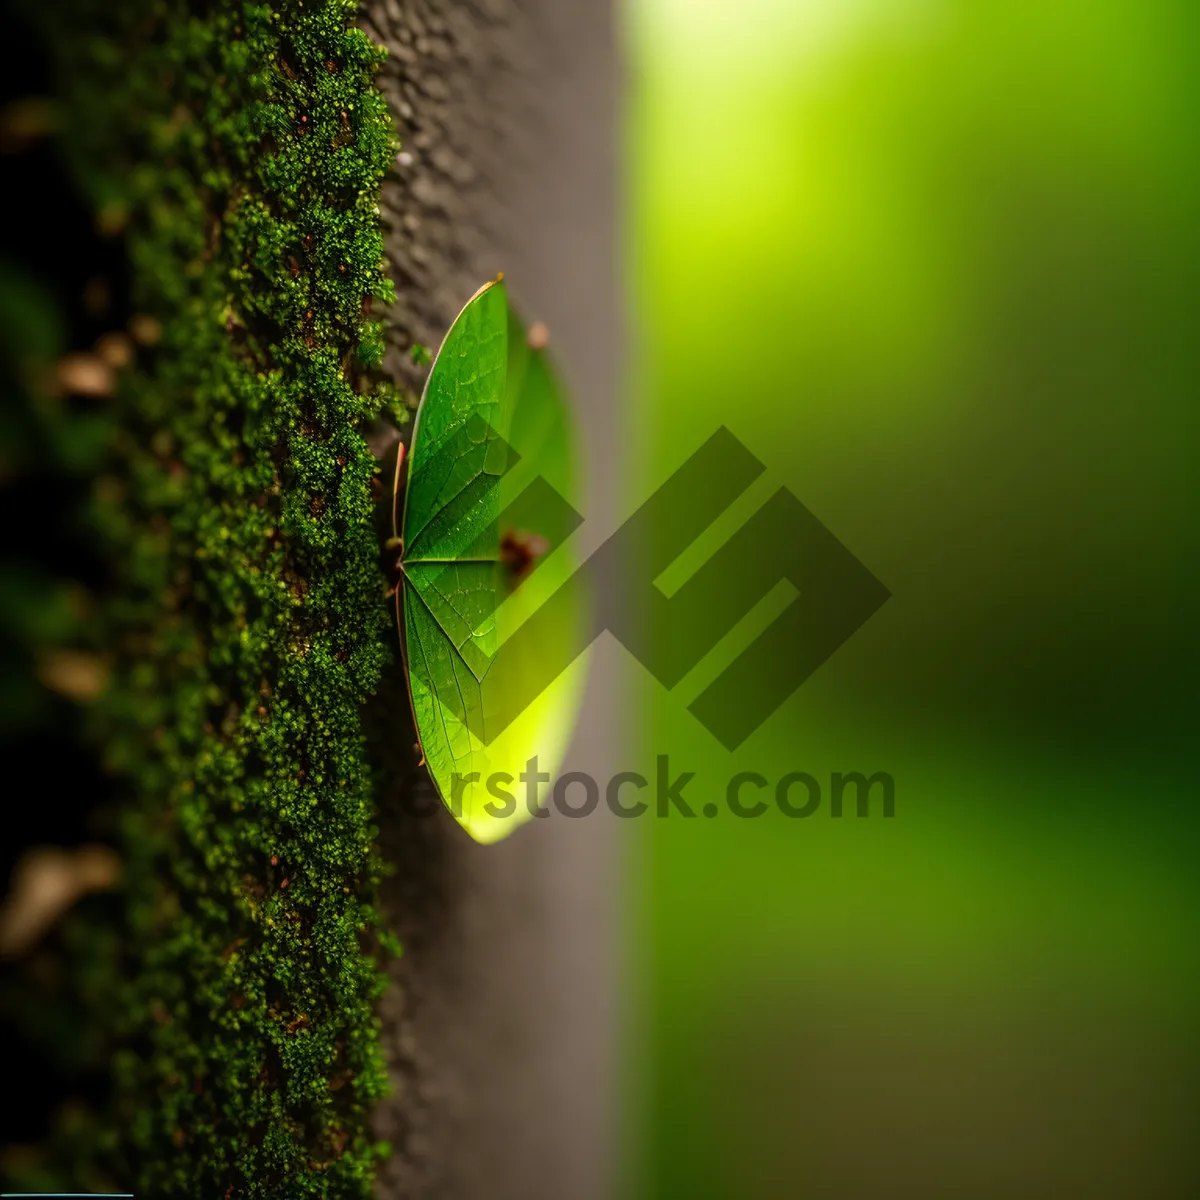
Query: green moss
<point x="242" y="148"/>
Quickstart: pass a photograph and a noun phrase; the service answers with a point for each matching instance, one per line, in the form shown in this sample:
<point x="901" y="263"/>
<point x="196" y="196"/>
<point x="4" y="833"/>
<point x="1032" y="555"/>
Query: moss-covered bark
<point x="241" y="150"/>
<point x="238" y="154"/>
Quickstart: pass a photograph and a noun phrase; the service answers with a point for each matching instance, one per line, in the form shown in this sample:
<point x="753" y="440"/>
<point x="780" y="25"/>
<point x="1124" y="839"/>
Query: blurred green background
<point x="935" y="263"/>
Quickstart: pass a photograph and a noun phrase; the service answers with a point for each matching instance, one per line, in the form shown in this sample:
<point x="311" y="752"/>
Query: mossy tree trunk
<point x="241" y="150"/>
<point x="256" y="720"/>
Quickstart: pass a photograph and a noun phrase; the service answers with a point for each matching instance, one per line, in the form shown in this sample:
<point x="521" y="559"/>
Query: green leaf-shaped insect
<point x="489" y="506"/>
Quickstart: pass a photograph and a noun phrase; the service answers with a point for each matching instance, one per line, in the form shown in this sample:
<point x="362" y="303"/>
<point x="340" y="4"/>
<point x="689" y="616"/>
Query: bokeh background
<point x="935" y="263"/>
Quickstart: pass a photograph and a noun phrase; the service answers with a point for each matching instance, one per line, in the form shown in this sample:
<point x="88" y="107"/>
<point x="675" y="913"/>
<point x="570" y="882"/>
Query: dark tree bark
<point x="500" y="1023"/>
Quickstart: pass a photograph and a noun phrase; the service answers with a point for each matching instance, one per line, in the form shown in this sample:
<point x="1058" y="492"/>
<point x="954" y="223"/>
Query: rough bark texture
<point x="499" y="1027"/>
